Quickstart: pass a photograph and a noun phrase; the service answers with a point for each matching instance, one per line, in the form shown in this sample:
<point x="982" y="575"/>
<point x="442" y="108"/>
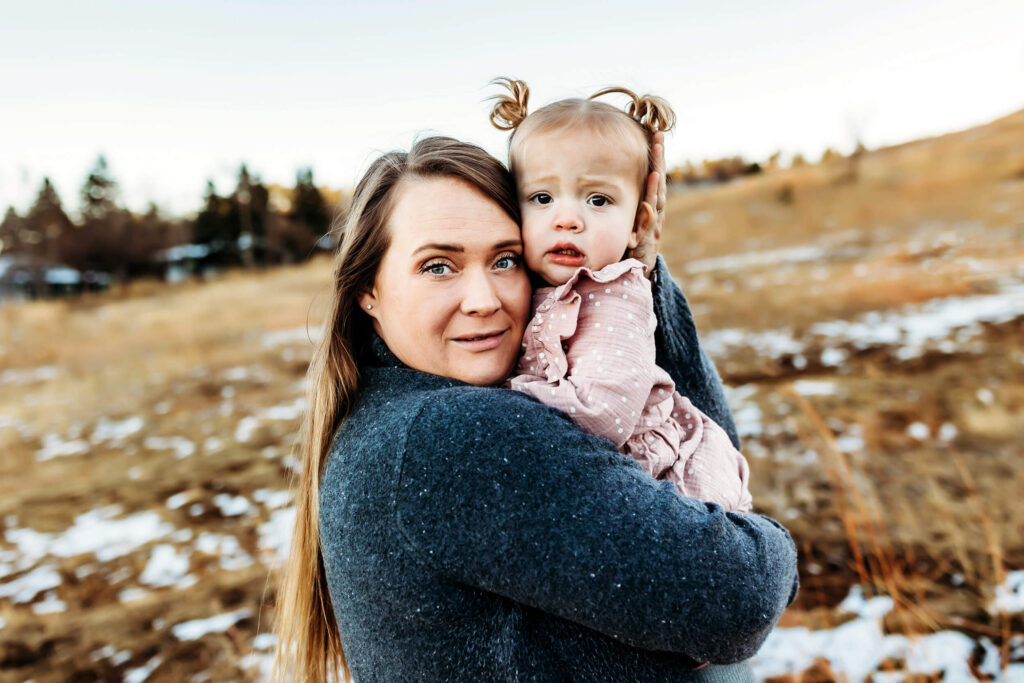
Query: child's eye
<point x="598" y="200"/>
<point x="541" y="198"/>
<point x="436" y="268"/>
<point x="508" y="261"/>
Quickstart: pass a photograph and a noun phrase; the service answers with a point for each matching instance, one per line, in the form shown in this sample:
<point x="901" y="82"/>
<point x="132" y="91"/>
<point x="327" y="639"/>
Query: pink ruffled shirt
<point x="589" y="351"/>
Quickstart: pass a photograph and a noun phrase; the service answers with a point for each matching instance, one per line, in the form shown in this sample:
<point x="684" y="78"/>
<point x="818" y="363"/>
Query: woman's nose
<point x="480" y="294"/>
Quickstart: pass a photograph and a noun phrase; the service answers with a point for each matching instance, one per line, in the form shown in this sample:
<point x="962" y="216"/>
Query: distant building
<point x="29" y="277"/>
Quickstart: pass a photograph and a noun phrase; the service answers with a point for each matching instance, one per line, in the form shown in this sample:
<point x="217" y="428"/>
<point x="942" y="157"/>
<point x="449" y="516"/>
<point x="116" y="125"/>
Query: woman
<point x="448" y="530"/>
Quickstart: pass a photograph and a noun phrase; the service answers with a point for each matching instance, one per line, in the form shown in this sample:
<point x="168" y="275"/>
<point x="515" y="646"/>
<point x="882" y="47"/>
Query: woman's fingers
<point x="660" y="189"/>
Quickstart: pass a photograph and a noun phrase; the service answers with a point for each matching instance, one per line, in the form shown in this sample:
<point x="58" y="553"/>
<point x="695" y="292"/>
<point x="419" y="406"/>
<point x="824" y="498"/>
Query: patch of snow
<point x="850" y="443"/>
<point x="771" y="343"/>
<point x="246" y="428"/>
<point x="97" y="531"/>
<point x="1009" y="595"/>
<point x="753" y="259"/>
<point x="177" y="500"/>
<point x="143" y="672"/>
<point x="132" y="594"/>
<point x="919" y="431"/>
<point x="947" y="432"/>
<point x="289" y="336"/>
<point x="166" y="567"/>
<point x="50" y="604"/>
<point x="285" y="411"/>
<point x="232" y="506"/>
<point x="745" y="412"/>
<point x="264" y="641"/>
<point x="236" y="374"/>
<point x="181" y="446"/>
<point x="212" y="445"/>
<point x="227" y="548"/>
<point x="813" y="387"/>
<point x="276" y="536"/>
<point x="832" y="358"/>
<point x="30" y="376"/>
<point x="55" y="447"/>
<point x="25" y="588"/>
<point x="856" y="648"/>
<point x="116" y="430"/>
<point x="272" y="499"/>
<point x="197" y="628"/>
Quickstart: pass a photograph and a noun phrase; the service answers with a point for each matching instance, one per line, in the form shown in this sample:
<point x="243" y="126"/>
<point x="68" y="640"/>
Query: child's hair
<point x="635" y="126"/>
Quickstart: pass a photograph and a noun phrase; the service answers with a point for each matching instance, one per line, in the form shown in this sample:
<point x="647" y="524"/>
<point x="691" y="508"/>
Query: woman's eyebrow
<point x="458" y="248"/>
<point x="434" y="246"/>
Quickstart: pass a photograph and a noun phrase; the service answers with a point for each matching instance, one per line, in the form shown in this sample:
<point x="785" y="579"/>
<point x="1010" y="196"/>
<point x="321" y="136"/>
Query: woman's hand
<point x="646" y="251"/>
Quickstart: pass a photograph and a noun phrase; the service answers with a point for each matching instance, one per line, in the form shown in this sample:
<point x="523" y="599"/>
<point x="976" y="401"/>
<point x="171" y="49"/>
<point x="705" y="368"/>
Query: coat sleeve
<point x="679" y="352"/>
<point x="506" y="495"/>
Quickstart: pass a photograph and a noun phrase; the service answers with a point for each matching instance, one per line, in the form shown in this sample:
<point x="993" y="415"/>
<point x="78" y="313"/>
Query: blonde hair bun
<point x="509" y="109"/>
<point x="650" y="111"/>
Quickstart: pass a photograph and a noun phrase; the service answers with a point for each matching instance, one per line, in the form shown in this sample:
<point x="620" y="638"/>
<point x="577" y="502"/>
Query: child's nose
<point x="567" y="219"/>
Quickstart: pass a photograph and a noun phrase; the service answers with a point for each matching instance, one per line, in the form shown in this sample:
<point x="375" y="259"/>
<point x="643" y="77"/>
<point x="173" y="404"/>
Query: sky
<point x="175" y="93"/>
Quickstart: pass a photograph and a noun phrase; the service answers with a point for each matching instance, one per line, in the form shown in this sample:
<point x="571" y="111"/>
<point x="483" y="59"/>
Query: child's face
<point x="579" y="197"/>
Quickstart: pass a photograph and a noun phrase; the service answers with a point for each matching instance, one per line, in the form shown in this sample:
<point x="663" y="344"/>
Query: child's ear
<point x="644" y="218"/>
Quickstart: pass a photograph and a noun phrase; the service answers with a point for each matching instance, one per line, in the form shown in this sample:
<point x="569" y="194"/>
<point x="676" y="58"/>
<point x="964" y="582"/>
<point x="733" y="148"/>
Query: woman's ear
<point x="644" y="218"/>
<point x="368" y="302"/>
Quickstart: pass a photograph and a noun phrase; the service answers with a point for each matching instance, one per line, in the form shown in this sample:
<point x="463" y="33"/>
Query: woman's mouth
<point x="485" y="341"/>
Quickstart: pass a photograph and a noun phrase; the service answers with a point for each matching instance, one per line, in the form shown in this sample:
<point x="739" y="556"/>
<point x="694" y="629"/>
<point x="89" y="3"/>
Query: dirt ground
<point x="867" y="315"/>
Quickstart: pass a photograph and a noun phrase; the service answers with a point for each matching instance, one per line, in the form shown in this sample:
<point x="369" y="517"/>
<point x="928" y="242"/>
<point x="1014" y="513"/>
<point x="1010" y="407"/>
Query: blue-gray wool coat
<point x="474" y="534"/>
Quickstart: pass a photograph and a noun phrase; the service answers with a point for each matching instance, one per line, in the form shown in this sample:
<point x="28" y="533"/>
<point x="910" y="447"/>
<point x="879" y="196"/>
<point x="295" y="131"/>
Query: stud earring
<point x="369" y="306"/>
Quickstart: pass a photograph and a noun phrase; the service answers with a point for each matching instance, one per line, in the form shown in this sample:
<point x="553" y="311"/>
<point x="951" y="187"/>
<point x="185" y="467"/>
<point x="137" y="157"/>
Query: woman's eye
<point x="507" y="262"/>
<point x="437" y="268"/>
<point x="599" y="200"/>
<point x="541" y="198"/>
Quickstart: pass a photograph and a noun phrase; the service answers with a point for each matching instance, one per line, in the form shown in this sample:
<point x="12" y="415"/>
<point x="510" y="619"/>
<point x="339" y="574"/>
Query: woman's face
<point x="451" y="296"/>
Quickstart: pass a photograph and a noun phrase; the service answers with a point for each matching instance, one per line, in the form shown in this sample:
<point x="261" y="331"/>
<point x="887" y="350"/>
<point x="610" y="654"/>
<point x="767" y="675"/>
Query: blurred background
<point x="846" y="217"/>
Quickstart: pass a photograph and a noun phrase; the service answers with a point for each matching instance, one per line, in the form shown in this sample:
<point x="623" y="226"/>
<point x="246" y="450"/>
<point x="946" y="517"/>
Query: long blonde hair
<point x="635" y="125"/>
<point x="309" y="645"/>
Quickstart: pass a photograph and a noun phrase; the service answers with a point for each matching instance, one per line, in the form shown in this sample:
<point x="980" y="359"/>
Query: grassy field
<point x="867" y="315"/>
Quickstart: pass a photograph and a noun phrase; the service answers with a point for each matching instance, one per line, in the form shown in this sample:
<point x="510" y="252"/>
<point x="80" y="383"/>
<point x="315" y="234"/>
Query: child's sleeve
<point x="590" y="350"/>
<point x="679" y="352"/>
<point x="709" y="468"/>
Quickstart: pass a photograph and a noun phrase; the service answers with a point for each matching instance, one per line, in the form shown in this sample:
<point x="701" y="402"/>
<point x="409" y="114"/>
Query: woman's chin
<point x="484" y="371"/>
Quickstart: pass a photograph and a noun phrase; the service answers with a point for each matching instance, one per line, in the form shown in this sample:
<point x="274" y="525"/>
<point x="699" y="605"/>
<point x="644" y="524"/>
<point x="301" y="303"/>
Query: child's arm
<point x="709" y="468"/>
<point x="591" y="353"/>
<point x="679" y="352"/>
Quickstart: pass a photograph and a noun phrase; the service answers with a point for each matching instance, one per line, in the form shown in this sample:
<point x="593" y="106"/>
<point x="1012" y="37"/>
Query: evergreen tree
<point x="46" y="224"/>
<point x="11" y="229"/>
<point x="309" y="208"/>
<point x="211" y="225"/>
<point x="104" y="242"/>
<point x="247" y="219"/>
<point x="99" y="192"/>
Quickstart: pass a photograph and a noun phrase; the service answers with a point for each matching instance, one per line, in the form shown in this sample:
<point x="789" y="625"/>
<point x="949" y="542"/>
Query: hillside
<point x="868" y="317"/>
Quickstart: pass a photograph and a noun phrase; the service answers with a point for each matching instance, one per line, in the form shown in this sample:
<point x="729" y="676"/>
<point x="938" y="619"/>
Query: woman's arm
<point x="507" y="495"/>
<point x="680" y="354"/>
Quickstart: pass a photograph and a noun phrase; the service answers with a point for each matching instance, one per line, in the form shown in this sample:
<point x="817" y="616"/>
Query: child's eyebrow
<point x="609" y="179"/>
<point x="540" y="180"/>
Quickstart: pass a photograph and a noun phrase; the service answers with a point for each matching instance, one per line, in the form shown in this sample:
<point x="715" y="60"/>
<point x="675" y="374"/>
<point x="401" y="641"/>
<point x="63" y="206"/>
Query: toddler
<point x="581" y="167"/>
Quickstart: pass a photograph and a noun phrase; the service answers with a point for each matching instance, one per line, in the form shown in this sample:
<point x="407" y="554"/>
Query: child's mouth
<point x="566" y="255"/>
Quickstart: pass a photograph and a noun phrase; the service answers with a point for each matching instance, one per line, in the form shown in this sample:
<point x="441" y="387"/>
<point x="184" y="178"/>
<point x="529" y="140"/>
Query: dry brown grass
<point x="932" y="522"/>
